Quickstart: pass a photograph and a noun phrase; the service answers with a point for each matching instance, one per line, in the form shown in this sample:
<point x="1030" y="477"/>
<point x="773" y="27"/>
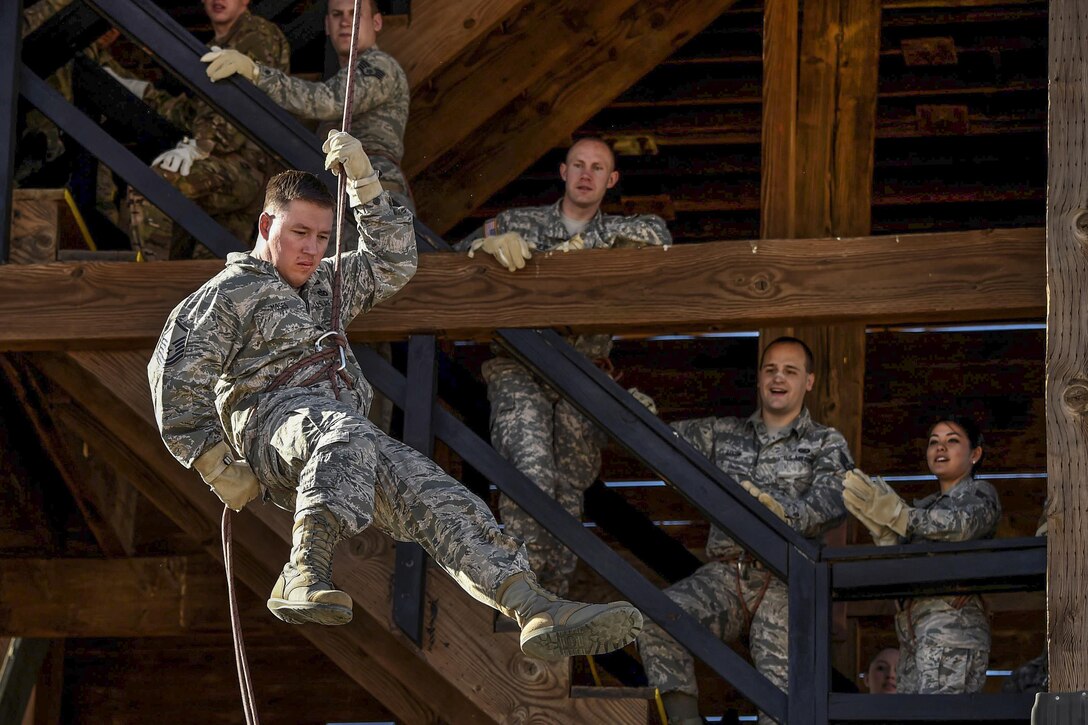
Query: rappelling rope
<point x="329" y="367"/>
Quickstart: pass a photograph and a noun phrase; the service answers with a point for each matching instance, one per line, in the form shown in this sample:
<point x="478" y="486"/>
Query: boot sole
<point x="308" y="613"/>
<point x="610" y="630"/>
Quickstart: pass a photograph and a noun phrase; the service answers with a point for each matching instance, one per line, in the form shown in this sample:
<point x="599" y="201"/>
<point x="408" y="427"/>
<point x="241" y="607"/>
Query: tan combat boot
<point x="554" y="628"/>
<point x="304" y="592"/>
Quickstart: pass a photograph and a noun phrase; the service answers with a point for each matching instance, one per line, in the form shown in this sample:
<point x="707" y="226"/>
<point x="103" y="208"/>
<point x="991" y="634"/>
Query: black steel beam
<point x="19" y="670"/>
<point x="249" y="108"/>
<point x="60" y="37"/>
<point x="11" y="23"/>
<point x="920" y="569"/>
<point x="720" y="499"/>
<point x="145" y="132"/>
<point x="410" y="570"/>
<point x="929" y="708"/>
<point x="89" y="135"/>
<point x="598" y="556"/>
<point x="809" y="640"/>
<point x="662" y="553"/>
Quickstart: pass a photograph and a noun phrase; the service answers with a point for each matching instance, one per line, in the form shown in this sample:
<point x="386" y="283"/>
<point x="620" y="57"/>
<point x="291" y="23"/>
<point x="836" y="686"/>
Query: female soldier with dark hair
<point x="944" y="641"/>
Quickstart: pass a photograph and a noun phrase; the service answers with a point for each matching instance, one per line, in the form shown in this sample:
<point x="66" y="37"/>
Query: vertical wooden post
<point x="778" y="171"/>
<point x="1067" y="349"/>
<point x="835" y="128"/>
<point x="410" y="572"/>
<point x="11" y="41"/>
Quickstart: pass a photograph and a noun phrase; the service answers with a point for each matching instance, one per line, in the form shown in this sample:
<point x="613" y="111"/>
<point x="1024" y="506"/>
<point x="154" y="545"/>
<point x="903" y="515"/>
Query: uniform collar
<point x="243" y="20"/>
<point x="799" y="425"/>
<point x="962" y="485"/>
<point x="559" y="230"/>
<point x="255" y="265"/>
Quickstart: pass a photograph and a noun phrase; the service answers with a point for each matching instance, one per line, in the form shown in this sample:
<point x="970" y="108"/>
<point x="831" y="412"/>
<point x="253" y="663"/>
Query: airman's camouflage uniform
<point x="802" y="467"/>
<point x="532" y="426"/>
<point x="227" y="184"/>
<point x="379" y="108"/>
<point x="226" y="342"/>
<point x="944" y="642"/>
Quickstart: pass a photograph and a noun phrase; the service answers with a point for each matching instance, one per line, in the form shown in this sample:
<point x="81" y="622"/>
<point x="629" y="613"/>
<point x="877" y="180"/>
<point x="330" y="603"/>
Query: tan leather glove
<point x="573" y="244"/>
<point x="643" y="398"/>
<point x="874" y="502"/>
<point x="230" y="478"/>
<point x="765" y="498"/>
<point x="344" y="152"/>
<point x="225" y="63"/>
<point x="509" y="248"/>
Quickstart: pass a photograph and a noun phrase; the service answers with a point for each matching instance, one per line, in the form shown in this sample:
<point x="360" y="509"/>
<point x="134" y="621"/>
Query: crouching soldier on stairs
<point x="256" y="389"/>
<point x="792" y="465"/>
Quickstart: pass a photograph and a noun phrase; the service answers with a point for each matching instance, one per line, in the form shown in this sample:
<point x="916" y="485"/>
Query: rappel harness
<point x="329" y="361"/>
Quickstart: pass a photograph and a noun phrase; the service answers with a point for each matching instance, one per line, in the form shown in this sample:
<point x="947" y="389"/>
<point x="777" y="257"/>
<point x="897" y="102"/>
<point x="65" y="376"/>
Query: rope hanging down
<point x="245" y="685"/>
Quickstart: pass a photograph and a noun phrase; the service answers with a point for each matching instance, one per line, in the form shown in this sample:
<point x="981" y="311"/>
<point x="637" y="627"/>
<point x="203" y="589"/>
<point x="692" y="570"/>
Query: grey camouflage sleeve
<point x="386" y="258"/>
<point x="699" y="432"/>
<point x="199" y="338"/>
<point x="642" y="230"/>
<point x="821" y="507"/>
<point x="974" y="516"/>
<point x="324" y="100"/>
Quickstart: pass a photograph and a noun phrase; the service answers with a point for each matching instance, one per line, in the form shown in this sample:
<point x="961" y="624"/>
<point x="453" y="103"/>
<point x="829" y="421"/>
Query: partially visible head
<point x="588" y="172"/>
<point x="880" y="678"/>
<point x="224" y="14"/>
<point x="338" y="25"/>
<point x="295" y="226"/>
<point x="954" y="449"/>
<point x="785" y="375"/>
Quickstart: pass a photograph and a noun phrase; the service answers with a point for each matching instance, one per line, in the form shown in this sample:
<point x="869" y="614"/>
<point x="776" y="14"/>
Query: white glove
<point x="225" y="63"/>
<point x="136" y="87"/>
<point x="765" y="498"/>
<point x="230" y="478"/>
<point x="509" y="248"/>
<point x="343" y="151"/>
<point x="180" y="158"/>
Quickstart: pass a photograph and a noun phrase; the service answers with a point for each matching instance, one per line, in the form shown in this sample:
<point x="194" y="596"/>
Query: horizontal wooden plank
<point x="152" y="596"/>
<point x="993" y="274"/>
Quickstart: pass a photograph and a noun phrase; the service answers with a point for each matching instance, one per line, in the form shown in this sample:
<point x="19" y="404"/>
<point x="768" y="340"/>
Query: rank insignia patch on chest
<point x="172" y="350"/>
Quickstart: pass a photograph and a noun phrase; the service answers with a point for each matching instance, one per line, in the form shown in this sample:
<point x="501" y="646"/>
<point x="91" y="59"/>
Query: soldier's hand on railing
<point x="344" y="152"/>
<point x="643" y="398"/>
<point x="180" y="158"/>
<point x="510" y="249"/>
<point x="766" y="499"/>
<point x="876" y="505"/>
<point x="134" y="86"/>
<point x="573" y="244"/>
<point x="225" y="63"/>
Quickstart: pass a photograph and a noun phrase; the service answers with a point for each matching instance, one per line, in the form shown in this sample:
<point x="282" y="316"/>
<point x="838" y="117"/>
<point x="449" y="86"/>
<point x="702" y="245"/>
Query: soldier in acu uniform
<point x="531" y="425"/>
<point x="381" y="93"/>
<point x="255" y="389"/>
<point x="944" y="642"/>
<point x="218" y="167"/>
<point x="792" y="465"/>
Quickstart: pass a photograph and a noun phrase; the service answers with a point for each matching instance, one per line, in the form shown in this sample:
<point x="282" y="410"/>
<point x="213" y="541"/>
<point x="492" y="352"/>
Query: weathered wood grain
<point x="581" y="84"/>
<point x="959" y="276"/>
<point x="439" y="31"/>
<point x="531" y="43"/>
<point x="1067" y="348"/>
<point x="778" y="175"/>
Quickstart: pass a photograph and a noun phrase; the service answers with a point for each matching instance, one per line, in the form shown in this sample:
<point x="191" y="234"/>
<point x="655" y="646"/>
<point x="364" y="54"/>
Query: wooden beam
<point x="107" y="504"/>
<point x="955" y="276"/>
<point x="778" y="177"/>
<point x="1067" y="349"/>
<point x="20" y="666"/>
<point x="462" y="673"/>
<point x="583" y="82"/>
<point x="486" y="77"/>
<point x="443" y="28"/>
<point x="132" y="597"/>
